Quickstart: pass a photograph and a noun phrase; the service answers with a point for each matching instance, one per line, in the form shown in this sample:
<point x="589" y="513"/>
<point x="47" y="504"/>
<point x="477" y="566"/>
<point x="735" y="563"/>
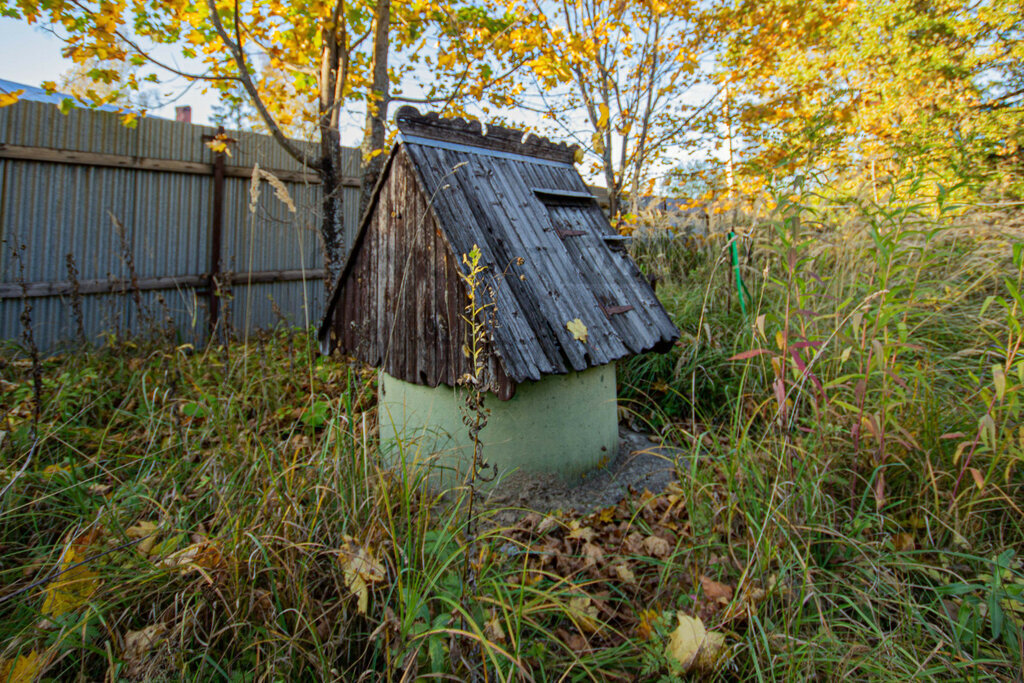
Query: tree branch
<point x="250" y="88"/>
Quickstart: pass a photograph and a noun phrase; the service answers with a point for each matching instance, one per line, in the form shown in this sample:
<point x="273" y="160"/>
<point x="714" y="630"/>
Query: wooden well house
<point x="564" y="299"/>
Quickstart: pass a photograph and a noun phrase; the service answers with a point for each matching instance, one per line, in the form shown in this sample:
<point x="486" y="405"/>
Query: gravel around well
<point x="641" y="464"/>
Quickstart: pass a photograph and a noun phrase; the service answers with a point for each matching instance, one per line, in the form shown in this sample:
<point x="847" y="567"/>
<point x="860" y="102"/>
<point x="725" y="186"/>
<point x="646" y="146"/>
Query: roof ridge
<point x="458" y="130"/>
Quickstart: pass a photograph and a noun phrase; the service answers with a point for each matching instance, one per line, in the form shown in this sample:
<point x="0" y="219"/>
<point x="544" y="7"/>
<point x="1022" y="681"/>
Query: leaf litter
<point x="630" y="568"/>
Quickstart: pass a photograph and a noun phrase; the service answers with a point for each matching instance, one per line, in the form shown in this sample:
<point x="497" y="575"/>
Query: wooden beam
<point x="64" y="156"/>
<point x="10" y="290"/>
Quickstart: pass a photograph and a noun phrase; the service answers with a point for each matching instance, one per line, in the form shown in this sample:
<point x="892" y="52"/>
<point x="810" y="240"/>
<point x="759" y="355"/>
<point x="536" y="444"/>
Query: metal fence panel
<point x="120" y="219"/>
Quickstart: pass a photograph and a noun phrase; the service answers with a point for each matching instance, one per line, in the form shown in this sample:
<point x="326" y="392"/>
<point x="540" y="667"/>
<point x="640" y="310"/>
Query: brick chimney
<point x="183" y="114"/>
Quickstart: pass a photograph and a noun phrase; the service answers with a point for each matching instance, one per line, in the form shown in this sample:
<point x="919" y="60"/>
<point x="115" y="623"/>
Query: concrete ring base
<point x="562" y="424"/>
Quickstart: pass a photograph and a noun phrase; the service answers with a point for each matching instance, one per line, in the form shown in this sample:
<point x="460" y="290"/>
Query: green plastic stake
<point x="736" y="268"/>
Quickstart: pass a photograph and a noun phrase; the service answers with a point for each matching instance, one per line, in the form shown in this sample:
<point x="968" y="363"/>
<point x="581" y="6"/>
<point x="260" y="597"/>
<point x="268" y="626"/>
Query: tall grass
<point x="868" y="425"/>
<point x="848" y="504"/>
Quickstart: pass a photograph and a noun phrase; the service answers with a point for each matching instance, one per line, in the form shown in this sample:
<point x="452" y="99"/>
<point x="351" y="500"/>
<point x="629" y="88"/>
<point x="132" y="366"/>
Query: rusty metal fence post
<point x="216" y="229"/>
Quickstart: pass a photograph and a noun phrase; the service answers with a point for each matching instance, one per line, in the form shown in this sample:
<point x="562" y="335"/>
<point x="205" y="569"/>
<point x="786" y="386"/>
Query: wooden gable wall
<point x="401" y="302"/>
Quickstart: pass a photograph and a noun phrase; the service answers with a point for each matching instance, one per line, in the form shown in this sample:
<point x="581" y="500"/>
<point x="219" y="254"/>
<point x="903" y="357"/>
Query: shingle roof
<point x="551" y="256"/>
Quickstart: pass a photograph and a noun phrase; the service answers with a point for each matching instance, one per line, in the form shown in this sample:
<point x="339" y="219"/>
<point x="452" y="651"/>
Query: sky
<point x="31" y="55"/>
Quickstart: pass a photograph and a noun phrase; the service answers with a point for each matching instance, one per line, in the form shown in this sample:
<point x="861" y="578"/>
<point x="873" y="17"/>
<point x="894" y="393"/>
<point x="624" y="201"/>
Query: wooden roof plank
<point x="515" y="198"/>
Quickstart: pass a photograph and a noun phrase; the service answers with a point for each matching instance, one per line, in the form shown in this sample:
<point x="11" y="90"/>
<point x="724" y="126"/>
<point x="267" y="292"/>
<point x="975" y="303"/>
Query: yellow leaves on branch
<point x="9" y="98"/>
<point x="360" y="570"/>
<point x="447" y="60"/>
<point x="219" y="144"/>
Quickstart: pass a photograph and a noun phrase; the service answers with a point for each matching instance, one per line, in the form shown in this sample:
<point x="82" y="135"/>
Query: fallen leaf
<point x="903" y="542"/>
<point x="713" y="590"/>
<point x="625" y="574"/>
<point x="634" y="543"/>
<point x="23" y="668"/>
<point x="753" y="594"/>
<point x="146" y="532"/>
<point x="691" y="647"/>
<point x="580" y="532"/>
<point x="549" y="522"/>
<point x="585" y="612"/>
<point x="196" y="557"/>
<point x="605" y="516"/>
<point x="578" y="330"/>
<point x="645" y="629"/>
<point x="657" y="546"/>
<point x="75" y="584"/>
<point x="52" y="470"/>
<point x="493" y="631"/>
<point x="141" y="530"/>
<point x="137" y="645"/>
<point x="360" y="570"/>
<point x="592" y="554"/>
<point x="574" y="641"/>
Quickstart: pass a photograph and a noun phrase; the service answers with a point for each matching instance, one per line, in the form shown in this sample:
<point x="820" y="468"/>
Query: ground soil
<point x="641" y="463"/>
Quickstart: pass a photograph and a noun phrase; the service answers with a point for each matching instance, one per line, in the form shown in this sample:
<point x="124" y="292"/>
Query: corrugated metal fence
<point x="116" y="224"/>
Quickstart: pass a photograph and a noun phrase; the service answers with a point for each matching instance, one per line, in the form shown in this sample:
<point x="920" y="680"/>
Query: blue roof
<point x="34" y="94"/>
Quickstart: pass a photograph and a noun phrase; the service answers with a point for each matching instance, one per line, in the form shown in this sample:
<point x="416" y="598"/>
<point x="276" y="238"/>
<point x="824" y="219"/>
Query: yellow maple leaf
<point x="692" y="647"/>
<point x="602" y="120"/>
<point x="219" y="145"/>
<point x="578" y="330"/>
<point x="447" y="60"/>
